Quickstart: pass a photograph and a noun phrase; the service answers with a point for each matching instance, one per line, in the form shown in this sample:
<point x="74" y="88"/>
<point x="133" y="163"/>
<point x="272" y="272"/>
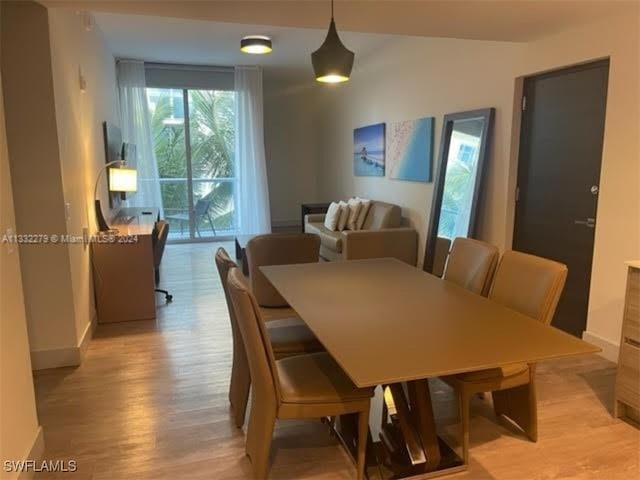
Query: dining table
<point x="389" y="324"/>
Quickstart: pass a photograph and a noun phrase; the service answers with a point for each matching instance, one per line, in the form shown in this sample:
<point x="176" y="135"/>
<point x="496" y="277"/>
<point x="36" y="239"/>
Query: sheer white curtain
<point x="136" y="128"/>
<point x="252" y="199"/>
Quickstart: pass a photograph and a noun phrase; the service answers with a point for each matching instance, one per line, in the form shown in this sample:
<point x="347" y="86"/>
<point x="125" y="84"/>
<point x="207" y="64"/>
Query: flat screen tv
<point x="129" y="154"/>
<point x="112" y="151"/>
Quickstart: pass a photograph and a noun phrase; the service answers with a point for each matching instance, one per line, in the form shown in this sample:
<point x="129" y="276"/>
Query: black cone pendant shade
<point x="332" y="62"/>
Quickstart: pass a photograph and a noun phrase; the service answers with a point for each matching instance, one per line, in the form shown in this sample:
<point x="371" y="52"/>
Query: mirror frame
<point x="488" y="114"/>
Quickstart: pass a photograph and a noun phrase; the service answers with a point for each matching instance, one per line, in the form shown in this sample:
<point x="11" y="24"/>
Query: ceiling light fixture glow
<point x="256" y="44"/>
<point x="332" y="62"/>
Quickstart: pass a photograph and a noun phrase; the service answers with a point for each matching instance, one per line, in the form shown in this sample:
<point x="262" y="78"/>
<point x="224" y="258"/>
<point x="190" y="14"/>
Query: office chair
<point x="161" y="232"/>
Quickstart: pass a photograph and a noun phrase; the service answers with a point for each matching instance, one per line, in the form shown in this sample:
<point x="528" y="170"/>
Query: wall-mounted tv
<point x="112" y="151"/>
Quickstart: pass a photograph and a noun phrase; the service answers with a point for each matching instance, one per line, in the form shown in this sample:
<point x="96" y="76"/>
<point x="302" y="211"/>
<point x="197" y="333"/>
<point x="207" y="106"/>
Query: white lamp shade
<point x="123" y="179"/>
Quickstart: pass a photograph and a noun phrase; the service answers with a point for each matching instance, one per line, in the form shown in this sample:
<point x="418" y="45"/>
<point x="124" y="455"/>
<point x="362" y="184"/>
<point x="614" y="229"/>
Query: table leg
<point x="411" y="438"/>
<point x="408" y="446"/>
<point x="422" y="409"/>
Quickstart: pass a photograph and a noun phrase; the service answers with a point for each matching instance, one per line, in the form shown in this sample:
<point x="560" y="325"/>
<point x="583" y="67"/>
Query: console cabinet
<point x="628" y="375"/>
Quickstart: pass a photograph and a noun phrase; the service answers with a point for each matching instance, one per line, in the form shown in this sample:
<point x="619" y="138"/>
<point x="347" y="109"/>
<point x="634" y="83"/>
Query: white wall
<point x="617" y="236"/>
<point x="56" y="146"/>
<point x="19" y="429"/>
<point x="79" y="118"/>
<point x="412" y="78"/>
<point x="36" y="178"/>
<point x="291" y="118"/>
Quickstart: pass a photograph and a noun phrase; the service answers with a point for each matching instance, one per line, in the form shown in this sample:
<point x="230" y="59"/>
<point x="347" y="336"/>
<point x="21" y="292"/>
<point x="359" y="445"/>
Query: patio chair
<point x="200" y="211"/>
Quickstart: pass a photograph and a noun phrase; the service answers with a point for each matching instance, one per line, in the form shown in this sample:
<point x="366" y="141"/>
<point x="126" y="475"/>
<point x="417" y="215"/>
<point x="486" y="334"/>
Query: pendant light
<point x="256" y="44"/>
<point x="332" y="62"/>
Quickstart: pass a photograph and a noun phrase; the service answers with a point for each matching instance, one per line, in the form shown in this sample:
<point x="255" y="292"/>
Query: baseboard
<point x="609" y="348"/>
<point x="55" y="358"/>
<point x="87" y="335"/>
<point x="67" y="356"/>
<point x="35" y="453"/>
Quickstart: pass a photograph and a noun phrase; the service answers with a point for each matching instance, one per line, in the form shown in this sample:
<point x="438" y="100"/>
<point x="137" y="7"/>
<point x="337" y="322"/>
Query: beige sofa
<point x="381" y="236"/>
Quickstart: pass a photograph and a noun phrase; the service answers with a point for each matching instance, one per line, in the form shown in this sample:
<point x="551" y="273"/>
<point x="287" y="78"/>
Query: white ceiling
<point x="501" y="20"/>
<point x="209" y="31"/>
<point x="173" y="40"/>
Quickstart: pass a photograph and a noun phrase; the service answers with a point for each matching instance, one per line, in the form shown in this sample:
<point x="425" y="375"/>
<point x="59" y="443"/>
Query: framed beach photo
<point x="369" y="151"/>
<point x="411" y="150"/>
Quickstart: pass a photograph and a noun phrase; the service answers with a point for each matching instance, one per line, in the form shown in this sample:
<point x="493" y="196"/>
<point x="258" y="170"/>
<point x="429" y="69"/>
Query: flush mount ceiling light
<point x="256" y="44"/>
<point x="332" y="62"/>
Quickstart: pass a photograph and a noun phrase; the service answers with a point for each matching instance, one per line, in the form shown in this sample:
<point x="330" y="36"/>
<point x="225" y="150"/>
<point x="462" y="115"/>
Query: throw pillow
<point x="362" y="215"/>
<point x="355" y="205"/>
<point x="332" y="217"/>
<point x="344" y="215"/>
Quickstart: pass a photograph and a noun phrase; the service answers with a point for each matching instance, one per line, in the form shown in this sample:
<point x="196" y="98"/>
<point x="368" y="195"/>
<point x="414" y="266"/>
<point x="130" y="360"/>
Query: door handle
<point x="589" y="222"/>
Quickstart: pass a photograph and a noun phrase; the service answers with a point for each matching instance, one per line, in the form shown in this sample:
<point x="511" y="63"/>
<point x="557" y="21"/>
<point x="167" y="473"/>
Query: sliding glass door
<point x="193" y="134"/>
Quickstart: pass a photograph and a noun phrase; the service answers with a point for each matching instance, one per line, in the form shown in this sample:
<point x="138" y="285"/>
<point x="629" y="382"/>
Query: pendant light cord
<point x="331" y="9"/>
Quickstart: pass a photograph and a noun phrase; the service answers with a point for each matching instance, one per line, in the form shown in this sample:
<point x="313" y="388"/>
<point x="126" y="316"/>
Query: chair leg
<point x="240" y="386"/>
<point x="213" y="229"/>
<point x="262" y="420"/>
<point x="520" y="405"/>
<point x="167" y="296"/>
<point x="363" y="435"/>
<point x="464" y="401"/>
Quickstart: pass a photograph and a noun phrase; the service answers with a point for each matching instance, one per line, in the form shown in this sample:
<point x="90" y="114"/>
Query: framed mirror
<point x="458" y="183"/>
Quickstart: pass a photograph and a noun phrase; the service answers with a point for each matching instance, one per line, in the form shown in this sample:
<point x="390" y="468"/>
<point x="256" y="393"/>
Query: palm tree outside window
<point x="193" y="133"/>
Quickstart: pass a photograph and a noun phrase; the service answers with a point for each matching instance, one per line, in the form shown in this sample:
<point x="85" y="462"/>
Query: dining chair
<point x="288" y="337"/>
<point x="532" y="286"/>
<point x="277" y="249"/>
<point x="471" y="265"/>
<point x="440" y="255"/>
<point x="298" y="387"/>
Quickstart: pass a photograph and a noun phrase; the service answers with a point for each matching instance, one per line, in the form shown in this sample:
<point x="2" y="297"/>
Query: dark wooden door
<point x="558" y="177"/>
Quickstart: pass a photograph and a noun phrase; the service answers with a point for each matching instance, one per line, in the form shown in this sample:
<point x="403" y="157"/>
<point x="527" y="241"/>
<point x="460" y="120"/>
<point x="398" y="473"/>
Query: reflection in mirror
<point x="463" y="149"/>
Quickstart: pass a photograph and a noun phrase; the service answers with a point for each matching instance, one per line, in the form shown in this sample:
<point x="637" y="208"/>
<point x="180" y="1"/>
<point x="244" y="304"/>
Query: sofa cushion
<point x="355" y="205"/>
<point x="362" y="214"/>
<point x="328" y="239"/>
<point x="344" y="215"/>
<point x="382" y="215"/>
<point x="332" y="217"/>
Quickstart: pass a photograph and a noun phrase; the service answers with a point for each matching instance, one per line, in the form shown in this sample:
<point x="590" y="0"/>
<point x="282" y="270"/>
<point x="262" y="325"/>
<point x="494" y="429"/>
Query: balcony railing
<point x="213" y="207"/>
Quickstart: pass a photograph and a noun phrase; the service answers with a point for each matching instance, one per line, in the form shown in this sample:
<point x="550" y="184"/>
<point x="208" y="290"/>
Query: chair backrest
<point x="382" y="215"/>
<point x="202" y="205"/>
<point x="277" y="249"/>
<point x="472" y="264"/>
<point x="529" y="284"/>
<point x="440" y="255"/>
<point x="160" y="241"/>
<point x="262" y="362"/>
<point x="225" y="264"/>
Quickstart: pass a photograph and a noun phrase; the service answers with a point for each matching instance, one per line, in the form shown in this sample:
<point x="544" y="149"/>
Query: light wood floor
<point x="150" y="402"/>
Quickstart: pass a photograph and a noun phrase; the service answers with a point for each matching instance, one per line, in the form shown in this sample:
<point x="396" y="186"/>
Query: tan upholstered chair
<point x="532" y="286"/>
<point x="277" y="249"/>
<point x="288" y="337"/>
<point x="471" y="265"/>
<point x="303" y="386"/>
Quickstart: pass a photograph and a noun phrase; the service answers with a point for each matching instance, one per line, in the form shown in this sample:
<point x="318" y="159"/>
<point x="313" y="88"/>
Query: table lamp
<point x="121" y="179"/>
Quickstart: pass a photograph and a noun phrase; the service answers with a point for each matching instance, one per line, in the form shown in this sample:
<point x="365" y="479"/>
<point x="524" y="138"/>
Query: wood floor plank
<point x="150" y="402"/>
